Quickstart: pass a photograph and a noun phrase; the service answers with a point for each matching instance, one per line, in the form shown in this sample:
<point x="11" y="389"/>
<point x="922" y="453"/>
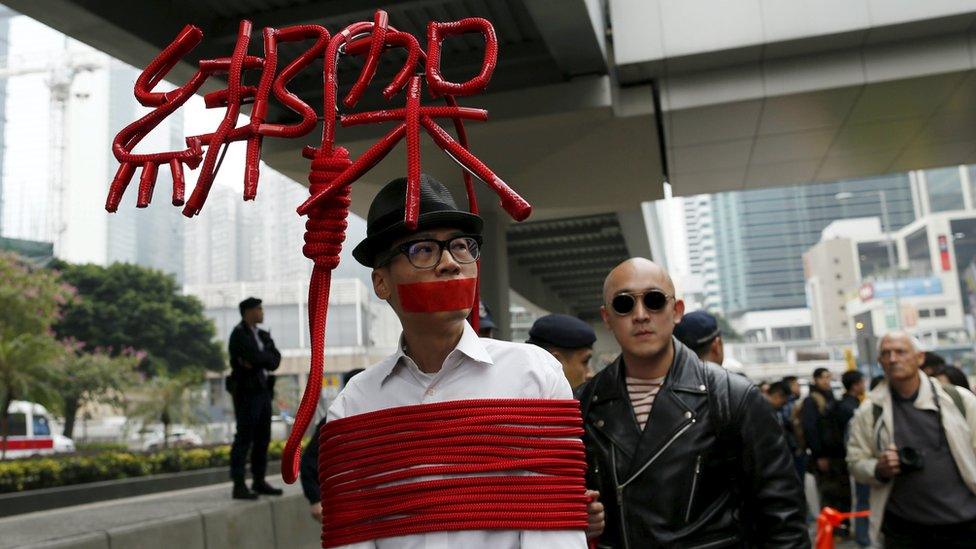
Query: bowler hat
<point x="384" y="222"/>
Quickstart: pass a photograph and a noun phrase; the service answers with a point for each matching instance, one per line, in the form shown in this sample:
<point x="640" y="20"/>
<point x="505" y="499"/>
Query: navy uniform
<point x="698" y="331"/>
<point x="562" y="331"/>
<point x="566" y="337"/>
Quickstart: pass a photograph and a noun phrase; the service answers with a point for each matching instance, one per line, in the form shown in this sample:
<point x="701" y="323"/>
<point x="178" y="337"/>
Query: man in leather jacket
<point x="710" y="466"/>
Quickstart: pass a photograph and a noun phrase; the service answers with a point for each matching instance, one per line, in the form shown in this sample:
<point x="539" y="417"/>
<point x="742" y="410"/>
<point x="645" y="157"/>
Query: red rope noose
<point x="333" y="172"/>
<point x="326" y="225"/>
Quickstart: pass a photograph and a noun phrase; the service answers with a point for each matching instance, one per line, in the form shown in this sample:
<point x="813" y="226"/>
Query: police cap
<point x="563" y="331"/>
<point x="697" y="329"/>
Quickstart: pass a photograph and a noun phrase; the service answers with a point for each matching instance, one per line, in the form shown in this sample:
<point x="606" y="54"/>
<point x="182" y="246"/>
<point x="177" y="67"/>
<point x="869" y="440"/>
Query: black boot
<point x="241" y="491"/>
<point x="262" y="487"/>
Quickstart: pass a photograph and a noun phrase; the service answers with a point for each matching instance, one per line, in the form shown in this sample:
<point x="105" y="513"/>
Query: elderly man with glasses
<point x="687" y="454"/>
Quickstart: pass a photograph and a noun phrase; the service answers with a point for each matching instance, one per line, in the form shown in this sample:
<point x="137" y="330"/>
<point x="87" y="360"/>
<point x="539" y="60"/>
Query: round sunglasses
<point x="653" y="300"/>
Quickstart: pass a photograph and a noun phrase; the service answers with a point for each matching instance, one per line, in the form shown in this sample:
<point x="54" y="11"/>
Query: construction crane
<point x="61" y="73"/>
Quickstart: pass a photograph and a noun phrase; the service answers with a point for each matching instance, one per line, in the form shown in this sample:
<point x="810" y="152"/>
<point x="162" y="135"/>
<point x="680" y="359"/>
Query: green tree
<point x="169" y="399"/>
<point x="30" y="300"/>
<point x="84" y="378"/>
<point x="126" y="306"/>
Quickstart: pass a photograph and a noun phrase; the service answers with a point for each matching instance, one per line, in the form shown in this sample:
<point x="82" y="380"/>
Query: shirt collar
<point x="470" y="345"/>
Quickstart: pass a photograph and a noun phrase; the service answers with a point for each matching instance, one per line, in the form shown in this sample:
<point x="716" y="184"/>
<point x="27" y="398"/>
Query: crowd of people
<point x="680" y="452"/>
<point x="901" y="446"/>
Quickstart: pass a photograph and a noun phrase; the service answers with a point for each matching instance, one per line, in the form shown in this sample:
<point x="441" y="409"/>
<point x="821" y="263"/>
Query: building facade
<point x="702" y="257"/>
<point x="761" y="235"/>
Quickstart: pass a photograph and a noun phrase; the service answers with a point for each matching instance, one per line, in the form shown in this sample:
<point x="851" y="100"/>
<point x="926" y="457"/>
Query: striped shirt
<point x="642" y="393"/>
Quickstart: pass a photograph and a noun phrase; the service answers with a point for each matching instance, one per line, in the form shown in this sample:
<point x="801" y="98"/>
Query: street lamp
<point x="890" y="245"/>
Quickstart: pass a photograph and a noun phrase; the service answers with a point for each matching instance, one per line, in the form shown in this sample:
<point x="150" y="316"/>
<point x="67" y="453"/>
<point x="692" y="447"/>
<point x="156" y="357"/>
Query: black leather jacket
<point x="711" y="469"/>
<point x="255" y="378"/>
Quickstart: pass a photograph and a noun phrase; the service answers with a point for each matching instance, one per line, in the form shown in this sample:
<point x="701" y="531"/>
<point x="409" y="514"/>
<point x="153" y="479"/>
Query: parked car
<point x="30" y="432"/>
<point x="178" y="438"/>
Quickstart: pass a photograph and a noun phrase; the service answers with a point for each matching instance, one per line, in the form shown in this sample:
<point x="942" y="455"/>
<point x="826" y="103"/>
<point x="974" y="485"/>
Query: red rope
<point x="829" y="520"/>
<point x="371" y="38"/>
<point x="374" y="469"/>
<point x="324" y="232"/>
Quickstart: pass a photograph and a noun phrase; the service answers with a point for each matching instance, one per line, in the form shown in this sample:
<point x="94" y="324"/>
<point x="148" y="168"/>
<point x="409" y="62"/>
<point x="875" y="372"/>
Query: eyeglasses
<point x="654" y="301"/>
<point x="427" y="253"/>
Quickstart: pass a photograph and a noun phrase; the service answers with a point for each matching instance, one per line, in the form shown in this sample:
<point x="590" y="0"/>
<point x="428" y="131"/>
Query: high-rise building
<point x="66" y="102"/>
<point x="760" y="235"/>
<point x="151" y="237"/>
<point x="5" y="15"/>
<point x="232" y="240"/>
<point x="833" y="274"/>
<point x="702" y="259"/>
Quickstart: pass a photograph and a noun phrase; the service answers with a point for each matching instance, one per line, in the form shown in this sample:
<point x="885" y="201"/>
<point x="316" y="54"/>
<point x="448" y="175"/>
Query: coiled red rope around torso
<point x="512" y="464"/>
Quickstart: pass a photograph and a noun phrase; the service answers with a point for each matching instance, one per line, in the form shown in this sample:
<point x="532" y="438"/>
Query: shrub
<point x="50" y="471"/>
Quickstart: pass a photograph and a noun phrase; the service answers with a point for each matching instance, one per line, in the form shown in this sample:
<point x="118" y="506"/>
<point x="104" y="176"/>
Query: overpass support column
<point x="494" y="272"/>
<point x="634" y="227"/>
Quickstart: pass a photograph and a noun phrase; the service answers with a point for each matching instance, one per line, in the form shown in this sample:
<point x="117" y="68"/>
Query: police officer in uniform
<point x="252" y="356"/>
<point x="570" y="340"/>
<point x="699" y="332"/>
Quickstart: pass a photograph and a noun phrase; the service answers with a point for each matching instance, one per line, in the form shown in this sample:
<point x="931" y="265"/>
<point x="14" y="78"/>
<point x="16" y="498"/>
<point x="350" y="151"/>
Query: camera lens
<point x="910" y="459"/>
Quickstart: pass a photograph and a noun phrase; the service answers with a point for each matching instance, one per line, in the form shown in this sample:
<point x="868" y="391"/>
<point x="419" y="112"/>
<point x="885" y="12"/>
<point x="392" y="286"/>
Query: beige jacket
<point x="868" y="440"/>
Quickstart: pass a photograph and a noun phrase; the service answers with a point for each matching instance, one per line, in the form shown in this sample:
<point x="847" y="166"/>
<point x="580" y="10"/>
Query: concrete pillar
<point x="494" y="272"/>
<point x="634" y="227"/>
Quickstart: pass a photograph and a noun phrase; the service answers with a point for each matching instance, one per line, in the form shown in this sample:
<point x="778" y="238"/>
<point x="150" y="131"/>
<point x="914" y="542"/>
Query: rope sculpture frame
<point x="332" y="169"/>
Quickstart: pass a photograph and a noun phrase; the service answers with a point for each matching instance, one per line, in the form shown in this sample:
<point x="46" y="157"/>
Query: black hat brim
<point x="367" y="250"/>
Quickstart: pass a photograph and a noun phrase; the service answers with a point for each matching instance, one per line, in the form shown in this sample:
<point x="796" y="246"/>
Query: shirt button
<point x="701" y="387"/>
<point x="430" y="392"/>
<point x="600" y="422"/>
<point x="687" y="415"/>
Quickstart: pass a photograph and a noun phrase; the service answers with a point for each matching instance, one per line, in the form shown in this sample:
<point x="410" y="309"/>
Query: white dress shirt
<point x="476" y="368"/>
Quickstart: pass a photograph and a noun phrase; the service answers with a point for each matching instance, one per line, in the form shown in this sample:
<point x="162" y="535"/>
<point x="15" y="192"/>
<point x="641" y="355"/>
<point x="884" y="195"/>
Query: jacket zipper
<point x="620" y="487"/>
<point x="620" y="496"/>
<point x="717" y="543"/>
<point x="694" y="486"/>
<point x="659" y="452"/>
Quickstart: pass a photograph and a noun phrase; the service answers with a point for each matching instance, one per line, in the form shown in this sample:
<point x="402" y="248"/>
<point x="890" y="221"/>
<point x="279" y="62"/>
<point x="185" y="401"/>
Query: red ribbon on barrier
<point x="829" y="520"/>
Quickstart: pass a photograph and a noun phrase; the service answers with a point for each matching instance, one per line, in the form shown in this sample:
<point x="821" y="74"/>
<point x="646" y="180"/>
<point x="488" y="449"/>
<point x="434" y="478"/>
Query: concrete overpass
<point x="595" y="103"/>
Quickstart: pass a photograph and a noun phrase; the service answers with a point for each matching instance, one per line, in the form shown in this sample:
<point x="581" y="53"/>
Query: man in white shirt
<point x="441" y="358"/>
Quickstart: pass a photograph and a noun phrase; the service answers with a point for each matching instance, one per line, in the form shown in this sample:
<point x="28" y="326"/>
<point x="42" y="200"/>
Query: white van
<point x="30" y="432"/>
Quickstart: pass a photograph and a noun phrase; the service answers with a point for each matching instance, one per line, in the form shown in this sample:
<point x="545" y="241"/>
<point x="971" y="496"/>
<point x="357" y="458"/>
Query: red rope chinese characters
<point x="332" y="170"/>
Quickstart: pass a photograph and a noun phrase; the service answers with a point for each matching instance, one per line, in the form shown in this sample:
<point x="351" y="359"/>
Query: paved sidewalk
<point x="68" y="522"/>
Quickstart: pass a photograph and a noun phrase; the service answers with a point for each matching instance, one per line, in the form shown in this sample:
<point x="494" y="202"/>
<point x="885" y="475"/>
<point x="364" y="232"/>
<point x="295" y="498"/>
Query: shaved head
<point x="644" y="333"/>
<point x="636" y="269"/>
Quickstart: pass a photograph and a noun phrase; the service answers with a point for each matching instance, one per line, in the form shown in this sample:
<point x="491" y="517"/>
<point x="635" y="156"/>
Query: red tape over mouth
<point x="439" y="296"/>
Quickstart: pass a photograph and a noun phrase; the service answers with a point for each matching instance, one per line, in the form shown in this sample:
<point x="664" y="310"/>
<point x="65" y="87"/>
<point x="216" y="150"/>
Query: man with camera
<point x="914" y="442"/>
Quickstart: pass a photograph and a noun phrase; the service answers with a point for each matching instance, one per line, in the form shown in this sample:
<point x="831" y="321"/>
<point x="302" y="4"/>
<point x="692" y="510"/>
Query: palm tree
<point x="85" y="378"/>
<point x="168" y="399"/>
